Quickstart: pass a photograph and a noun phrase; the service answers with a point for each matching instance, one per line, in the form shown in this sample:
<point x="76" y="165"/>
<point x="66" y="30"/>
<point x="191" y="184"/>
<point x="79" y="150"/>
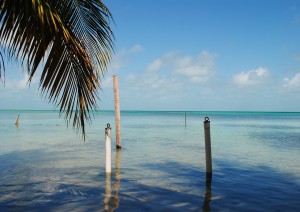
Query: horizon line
<point x="139" y="110"/>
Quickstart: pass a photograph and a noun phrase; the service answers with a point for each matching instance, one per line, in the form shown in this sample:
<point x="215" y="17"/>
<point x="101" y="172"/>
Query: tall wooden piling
<point x="17" y="121"/>
<point x="117" y="111"/>
<point x="207" y="198"/>
<point x="108" y="149"/>
<point x="207" y="146"/>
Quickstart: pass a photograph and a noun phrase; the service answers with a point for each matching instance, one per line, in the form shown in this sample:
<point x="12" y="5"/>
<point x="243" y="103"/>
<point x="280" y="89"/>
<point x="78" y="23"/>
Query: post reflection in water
<point x="107" y="191"/>
<point x="108" y="204"/>
<point x="207" y="198"/>
<point x="118" y="179"/>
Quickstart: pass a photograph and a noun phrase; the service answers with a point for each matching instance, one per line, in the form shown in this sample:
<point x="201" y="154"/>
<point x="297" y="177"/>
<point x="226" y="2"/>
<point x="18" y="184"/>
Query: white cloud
<point x="131" y="77"/>
<point x="107" y="82"/>
<point x="162" y="78"/>
<point x="117" y="63"/>
<point x="198" y="69"/>
<point x="155" y="65"/>
<point x="159" y="63"/>
<point x="19" y="84"/>
<point x="185" y="61"/>
<point x="134" y="49"/>
<point x="17" y="88"/>
<point x="251" y="77"/>
<point x="149" y="85"/>
<point x="119" y="60"/>
<point x="292" y="83"/>
<point x="161" y="83"/>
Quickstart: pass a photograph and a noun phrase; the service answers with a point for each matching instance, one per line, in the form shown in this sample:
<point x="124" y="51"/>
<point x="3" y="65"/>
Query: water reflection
<point x="108" y="204"/>
<point x="118" y="179"/>
<point x="207" y="198"/>
<point x="107" y="191"/>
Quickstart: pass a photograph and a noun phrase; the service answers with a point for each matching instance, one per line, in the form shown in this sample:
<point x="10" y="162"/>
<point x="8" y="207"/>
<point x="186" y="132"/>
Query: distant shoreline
<point x="160" y="111"/>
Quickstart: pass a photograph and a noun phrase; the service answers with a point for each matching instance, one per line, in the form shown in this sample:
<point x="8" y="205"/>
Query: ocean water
<point x="44" y="166"/>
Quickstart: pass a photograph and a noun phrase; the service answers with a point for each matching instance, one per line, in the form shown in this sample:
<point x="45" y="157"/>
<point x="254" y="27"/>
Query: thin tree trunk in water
<point x="117" y="112"/>
<point x="17" y="121"/>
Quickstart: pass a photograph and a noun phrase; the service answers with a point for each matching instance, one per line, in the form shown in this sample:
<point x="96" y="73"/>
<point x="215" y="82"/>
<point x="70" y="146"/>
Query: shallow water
<point x="46" y="167"/>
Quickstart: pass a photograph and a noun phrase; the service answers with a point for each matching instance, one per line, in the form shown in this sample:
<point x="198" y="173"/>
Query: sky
<point x="198" y="55"/>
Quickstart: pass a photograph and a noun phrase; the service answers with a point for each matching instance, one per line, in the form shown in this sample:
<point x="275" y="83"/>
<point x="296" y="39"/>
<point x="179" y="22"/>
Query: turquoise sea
<point x="44" y="166"/>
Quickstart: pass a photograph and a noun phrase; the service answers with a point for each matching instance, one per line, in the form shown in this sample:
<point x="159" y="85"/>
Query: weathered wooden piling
<point x="207" y="198"/>
<point x="208" y="157"/>
<point x="108" y="149"/>
<point x="207" y="146"/>
<point x="17" y="121"/>
<point x="117" y="111"/>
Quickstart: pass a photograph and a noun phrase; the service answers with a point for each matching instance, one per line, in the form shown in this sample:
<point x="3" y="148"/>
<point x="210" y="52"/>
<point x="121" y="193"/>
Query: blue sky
<point x="193" y="55"/>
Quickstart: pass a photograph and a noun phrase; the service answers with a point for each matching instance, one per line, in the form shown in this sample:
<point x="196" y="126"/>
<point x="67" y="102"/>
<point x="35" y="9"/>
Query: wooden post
<point x="117" y="112"/>
<point x="185" y="119"/>
<point x="207" y="146"/>
<point x="207" y="198"/>
<point x="108" y="149"/>
<point x="17" y="121"/>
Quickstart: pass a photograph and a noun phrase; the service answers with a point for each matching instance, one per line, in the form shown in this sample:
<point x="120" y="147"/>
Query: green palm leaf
<point x="74" y="39"/>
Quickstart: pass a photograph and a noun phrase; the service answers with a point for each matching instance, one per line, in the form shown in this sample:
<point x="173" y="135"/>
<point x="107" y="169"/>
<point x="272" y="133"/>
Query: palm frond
<point x="2" y="68"/>
<point x="74" y="39"/>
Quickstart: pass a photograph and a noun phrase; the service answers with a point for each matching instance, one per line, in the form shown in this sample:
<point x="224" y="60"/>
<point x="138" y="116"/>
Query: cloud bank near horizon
<point x="175" y="79"/>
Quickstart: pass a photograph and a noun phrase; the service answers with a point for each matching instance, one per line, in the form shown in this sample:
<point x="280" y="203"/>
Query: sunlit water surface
<point x="46" y="167"/>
